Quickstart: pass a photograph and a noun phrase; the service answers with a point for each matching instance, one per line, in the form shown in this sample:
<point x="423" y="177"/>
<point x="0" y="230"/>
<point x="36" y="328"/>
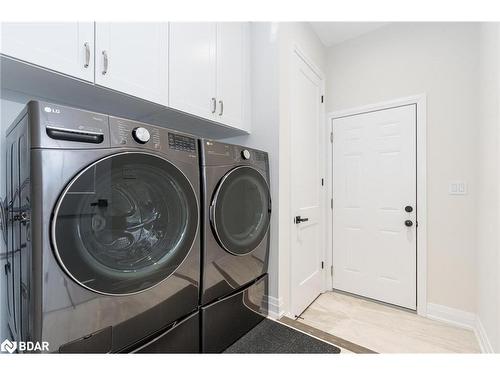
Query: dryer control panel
<point x="218" y="153"/>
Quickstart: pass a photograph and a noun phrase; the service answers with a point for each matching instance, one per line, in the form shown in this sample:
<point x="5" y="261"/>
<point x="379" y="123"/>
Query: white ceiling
<point x="332" y="33"/>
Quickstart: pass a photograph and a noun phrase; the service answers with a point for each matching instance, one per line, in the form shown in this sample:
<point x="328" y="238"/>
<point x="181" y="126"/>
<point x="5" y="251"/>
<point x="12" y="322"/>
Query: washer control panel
<point x="181" y="142"/>
<point x="128" y="133"/>
<point x="131" y="133"/>
<point x="141" y="135"/>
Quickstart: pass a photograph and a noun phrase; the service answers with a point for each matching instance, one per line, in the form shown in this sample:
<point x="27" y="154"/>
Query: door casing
<point x="420" y="102"/>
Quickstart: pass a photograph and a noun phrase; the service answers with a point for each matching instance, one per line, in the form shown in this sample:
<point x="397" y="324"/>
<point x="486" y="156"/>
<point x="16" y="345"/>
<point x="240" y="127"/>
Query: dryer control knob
<point x="245" y="154"/>
<point x="141" y="135"/>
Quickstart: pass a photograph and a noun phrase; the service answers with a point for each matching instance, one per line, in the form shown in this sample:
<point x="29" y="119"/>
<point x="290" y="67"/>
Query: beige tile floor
<point x="385" y="329"/>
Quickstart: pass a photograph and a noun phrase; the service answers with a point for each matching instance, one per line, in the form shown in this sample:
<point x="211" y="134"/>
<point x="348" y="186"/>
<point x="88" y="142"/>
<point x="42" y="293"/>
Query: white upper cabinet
<point x="133" y="58"/>
<point x="200" y="68"/>
<point x="208" y="71"/>
<point x="232" y="74"/>
<point x="192" y="68"/>
<point x="66" y="47"/>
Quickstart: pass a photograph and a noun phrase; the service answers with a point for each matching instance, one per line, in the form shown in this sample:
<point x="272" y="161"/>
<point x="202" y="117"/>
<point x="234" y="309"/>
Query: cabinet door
<point x="192" y="68"/>
<point x="133" y="58"/>
<point x="66" y="47"/>
<point x="233" y="74"/>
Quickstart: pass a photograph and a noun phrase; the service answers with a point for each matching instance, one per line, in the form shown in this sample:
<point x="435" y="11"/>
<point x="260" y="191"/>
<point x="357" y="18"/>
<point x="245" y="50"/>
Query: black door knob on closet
<point x="408" y="223"/>
<point x="299" y="219"/>
<point x="408" y="208"/>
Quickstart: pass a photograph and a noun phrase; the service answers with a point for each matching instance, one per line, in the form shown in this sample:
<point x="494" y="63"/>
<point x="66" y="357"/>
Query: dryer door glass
<point x="125" y="223"/>
<point x="241" y="210"/>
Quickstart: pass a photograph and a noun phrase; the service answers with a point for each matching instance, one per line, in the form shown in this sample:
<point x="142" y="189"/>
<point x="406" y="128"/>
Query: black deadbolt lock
<point x="408" y="208"/>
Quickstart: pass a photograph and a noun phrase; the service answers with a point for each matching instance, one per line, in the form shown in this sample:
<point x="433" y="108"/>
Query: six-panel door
<point x="374" y="229"/>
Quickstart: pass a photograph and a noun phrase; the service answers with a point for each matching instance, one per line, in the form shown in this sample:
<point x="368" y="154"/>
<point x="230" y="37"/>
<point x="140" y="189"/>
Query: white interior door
<point x="306" y="167"/>
<point x="132" y="57"/>
<point x="192" y="68"/>
<point x="374" y="235"/>
<point x="66" y="47"/>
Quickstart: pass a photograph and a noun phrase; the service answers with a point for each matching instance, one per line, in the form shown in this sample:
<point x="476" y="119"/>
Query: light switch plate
<point x="457" y="188"/>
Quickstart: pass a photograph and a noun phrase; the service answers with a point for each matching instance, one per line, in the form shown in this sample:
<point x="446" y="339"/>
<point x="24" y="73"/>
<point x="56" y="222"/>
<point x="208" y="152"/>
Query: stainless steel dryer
<point x="237" y="211"/>
<point x="104" y="247"/>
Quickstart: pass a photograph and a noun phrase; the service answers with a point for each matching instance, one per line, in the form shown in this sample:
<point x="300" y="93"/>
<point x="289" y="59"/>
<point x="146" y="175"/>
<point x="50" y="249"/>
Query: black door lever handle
<point x="299" y="219"/>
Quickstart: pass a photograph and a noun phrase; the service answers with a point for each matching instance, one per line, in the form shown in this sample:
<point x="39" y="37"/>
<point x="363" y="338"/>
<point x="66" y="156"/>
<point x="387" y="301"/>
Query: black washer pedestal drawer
<point x="226" y="320"/>
<point x="183" y="337"/>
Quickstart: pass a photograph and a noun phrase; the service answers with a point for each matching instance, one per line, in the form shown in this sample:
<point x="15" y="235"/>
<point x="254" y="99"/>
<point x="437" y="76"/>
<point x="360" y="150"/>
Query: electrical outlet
<point x="458" y="188"/>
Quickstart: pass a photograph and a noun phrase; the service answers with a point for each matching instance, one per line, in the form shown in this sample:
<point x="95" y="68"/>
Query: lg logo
<point x="8" y="346"/>
<point x="52" y="110"/>
<point x="24" y="346"/>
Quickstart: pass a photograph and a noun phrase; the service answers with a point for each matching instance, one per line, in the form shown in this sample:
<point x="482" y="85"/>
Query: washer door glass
<point x="125" y="223"/>
<point x="241" y="210"/>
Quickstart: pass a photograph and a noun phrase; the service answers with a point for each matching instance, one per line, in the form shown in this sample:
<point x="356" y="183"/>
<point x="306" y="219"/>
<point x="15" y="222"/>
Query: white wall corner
<point x="275" y="307"/>
<point x="482" y="337"/>
<point x="462" y="319"/>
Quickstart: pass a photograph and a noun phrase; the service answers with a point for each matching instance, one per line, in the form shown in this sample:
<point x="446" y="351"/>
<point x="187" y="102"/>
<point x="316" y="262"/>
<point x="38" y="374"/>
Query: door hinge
<point x="331" y="137"/>
<point x="331" y="271"/>
<point x="322" y="182"/>
<point x="322" y="99"/>
<point x="331" y="203"/>
<point x="322" y="265"/>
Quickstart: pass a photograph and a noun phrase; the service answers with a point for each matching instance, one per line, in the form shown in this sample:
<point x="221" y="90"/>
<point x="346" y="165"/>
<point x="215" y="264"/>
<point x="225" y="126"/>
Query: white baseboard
<point x="459" y="318"/>
<point x="462" y="319"/>
<point x="275" y="307"/>
<point x="482" y="337"/>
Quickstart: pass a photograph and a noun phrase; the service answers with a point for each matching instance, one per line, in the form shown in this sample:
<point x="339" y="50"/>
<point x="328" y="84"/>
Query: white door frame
<point x="298" y="52"/>
<point x="420" y="102"/>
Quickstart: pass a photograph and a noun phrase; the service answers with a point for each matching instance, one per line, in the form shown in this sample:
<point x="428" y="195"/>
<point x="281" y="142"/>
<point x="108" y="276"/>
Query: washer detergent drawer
<point x="225" y="321"/>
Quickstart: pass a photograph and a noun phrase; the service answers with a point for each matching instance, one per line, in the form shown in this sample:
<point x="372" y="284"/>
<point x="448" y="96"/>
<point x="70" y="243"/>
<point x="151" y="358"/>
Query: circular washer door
<point x="241" y="210"/>
<point x="125" y="223"/>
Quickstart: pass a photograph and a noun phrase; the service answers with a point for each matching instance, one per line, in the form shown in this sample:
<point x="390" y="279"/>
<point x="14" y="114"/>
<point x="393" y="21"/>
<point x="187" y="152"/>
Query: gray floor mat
<point x="272" y="337"/>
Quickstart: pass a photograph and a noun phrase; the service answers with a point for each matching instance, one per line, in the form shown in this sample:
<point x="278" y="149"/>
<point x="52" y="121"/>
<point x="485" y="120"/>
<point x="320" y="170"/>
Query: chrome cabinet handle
<point x="105" y="62"/>
<point x="87" y="55"/>
<point x="221" y="103"/>
<point x="214" y="105"/>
